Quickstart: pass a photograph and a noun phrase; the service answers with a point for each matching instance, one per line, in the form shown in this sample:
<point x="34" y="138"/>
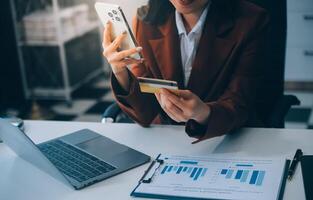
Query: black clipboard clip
<point x="149" y="173"/>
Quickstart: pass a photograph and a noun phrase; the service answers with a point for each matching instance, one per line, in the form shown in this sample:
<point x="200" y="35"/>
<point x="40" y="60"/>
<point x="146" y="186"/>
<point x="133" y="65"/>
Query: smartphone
<point x="111" y="12"/>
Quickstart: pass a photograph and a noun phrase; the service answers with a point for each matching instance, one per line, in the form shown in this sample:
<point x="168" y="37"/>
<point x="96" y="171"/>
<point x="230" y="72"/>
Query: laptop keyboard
<point x="74" y="162"/>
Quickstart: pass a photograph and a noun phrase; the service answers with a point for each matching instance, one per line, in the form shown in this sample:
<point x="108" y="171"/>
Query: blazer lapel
<point x="166" y="50"/>
<point x="212" y="52"/>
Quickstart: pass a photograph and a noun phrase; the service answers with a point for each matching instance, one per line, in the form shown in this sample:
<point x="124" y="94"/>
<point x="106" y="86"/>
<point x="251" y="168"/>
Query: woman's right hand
<point x="118" y="59"/>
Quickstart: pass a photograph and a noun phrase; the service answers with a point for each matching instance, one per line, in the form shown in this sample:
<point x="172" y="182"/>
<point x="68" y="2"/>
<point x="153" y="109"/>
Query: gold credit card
<point x="151" y="85"/>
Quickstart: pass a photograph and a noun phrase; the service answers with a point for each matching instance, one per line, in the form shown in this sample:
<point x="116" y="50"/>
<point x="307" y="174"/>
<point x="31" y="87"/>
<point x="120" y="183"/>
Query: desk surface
<point x="20" y="180"/>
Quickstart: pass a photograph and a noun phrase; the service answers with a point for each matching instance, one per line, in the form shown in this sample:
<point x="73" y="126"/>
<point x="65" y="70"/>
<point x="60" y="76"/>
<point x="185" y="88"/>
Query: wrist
<point x="122" y="76"/>
<point x="204" y="115"/>
<point x="118" y="70"/>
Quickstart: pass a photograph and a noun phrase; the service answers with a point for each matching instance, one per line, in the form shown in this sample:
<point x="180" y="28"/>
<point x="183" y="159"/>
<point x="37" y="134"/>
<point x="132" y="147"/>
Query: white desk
<point x="20" y="180"/>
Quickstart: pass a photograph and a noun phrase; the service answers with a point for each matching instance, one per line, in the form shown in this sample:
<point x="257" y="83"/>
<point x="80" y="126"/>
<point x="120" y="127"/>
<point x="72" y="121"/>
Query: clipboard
<point x="158" y="167"/>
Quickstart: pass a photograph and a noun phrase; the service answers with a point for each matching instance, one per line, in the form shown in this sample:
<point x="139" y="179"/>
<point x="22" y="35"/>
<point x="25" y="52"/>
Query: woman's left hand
<point x="183" y="106"/>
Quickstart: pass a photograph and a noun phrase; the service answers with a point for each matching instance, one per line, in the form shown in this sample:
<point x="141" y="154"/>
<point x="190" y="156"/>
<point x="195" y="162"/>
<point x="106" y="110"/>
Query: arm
<point x="143" y="108"/>
<point x="235" y="106"/>
<point x="238" y="103"/>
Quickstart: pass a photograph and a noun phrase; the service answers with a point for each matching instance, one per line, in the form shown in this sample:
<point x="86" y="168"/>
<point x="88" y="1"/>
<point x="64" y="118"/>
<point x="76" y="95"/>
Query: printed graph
<point x="215" y="177"/>
<point x="256" y="177"/>
<point x="186" y="168"/>
<point x="240" y="173"/>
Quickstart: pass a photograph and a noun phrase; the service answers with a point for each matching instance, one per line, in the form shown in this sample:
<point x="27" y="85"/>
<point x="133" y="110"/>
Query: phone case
<point x="110" y="12"/>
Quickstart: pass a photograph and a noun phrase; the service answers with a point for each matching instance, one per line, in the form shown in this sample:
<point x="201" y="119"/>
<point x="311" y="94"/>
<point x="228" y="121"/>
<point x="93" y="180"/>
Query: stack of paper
<point x="41" y="26"/>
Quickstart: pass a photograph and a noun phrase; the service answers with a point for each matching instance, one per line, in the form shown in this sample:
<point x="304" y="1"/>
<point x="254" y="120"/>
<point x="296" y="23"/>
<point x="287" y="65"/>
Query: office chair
<point x="276" y="64"/>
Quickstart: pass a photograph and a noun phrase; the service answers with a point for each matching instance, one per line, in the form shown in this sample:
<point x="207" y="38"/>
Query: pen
<point x="294" y="163"/>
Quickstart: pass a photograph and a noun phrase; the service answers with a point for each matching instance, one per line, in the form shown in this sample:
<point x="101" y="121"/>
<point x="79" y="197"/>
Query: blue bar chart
<point x="240" y="172"/>
<point x="193" y="171"/>
<point x="256" y="176"/>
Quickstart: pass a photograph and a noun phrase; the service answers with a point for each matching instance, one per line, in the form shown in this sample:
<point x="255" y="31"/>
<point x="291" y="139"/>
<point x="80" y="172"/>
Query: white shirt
<point x="189" y="42"/>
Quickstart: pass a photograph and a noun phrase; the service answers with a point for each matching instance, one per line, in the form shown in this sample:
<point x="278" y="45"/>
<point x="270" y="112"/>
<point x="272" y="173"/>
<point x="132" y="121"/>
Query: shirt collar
<point x="197" y="29"/>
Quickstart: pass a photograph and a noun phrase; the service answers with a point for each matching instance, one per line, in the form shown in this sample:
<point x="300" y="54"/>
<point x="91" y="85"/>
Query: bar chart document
<point x="212" y="177"/>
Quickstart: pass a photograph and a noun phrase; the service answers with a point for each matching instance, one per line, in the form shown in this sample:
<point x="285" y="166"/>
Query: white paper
<point x="217" y="177"/>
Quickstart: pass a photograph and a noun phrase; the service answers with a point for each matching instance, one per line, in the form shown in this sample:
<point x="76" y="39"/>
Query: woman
<point x="214" y="49"/>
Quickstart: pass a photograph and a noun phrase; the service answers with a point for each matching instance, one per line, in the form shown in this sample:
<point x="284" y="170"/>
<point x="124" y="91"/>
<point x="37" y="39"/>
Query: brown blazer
<point x="227" y="73"/>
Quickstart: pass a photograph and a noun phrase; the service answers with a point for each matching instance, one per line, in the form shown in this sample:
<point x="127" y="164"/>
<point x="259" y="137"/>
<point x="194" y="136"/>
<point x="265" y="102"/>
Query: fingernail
<point x="108" y="22"/>
<point x="142" y="60"/>
<point x="125" y="32"/>
<point x="139" y="49"/>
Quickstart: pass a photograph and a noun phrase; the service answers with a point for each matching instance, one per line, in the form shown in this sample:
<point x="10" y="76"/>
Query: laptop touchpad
<point x="103" y="148"/>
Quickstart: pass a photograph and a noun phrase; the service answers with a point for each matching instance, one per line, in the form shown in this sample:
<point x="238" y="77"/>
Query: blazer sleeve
<point x="237" y="104"/>
<point x="143" y="108"/>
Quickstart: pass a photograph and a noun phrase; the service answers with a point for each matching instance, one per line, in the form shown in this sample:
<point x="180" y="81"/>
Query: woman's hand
<point x="183" y="106"/>
<point x="117" y="60"/>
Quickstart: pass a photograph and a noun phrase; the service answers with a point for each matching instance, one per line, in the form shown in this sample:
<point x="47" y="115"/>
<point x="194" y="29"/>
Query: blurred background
<point x="52" y="66"/>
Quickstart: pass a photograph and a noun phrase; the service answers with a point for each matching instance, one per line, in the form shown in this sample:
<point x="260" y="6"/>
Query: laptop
<point x="78" y="159"/>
